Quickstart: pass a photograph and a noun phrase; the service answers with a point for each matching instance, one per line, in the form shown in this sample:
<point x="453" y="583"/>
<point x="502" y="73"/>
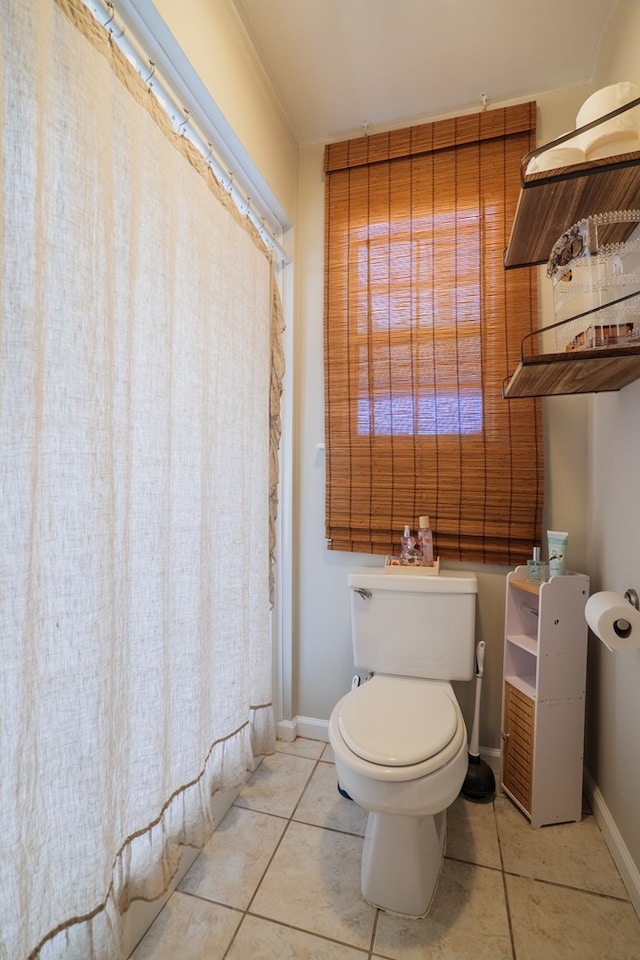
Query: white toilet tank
<point x="414" y="625"/>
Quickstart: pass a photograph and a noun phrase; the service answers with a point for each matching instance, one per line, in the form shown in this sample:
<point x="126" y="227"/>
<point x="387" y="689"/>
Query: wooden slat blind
<point x="422" y="325"/>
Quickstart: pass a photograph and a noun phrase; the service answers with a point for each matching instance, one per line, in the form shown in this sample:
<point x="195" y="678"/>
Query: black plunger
<point x="479" y="784"/>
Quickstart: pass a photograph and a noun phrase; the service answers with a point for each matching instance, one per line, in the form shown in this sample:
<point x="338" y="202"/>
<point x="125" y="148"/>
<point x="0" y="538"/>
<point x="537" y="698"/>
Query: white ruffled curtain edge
<point x="186" y="818"/>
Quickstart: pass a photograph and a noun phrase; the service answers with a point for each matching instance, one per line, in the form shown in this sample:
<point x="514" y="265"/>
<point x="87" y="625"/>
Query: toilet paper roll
<point x="613" y="146"/>
<point x="607" y="99"/>
<point x="613" y="620"/>
<point x="600" y="103"/>
<point x="556" y="157"/>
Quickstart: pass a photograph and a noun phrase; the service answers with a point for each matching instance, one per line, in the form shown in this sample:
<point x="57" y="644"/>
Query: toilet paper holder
<point x="615" y="619"/>
<point x="622" y="627"/>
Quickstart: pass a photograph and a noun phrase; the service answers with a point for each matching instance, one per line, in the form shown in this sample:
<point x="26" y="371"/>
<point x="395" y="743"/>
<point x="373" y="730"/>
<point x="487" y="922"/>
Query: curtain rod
<point x="195" y="124"/>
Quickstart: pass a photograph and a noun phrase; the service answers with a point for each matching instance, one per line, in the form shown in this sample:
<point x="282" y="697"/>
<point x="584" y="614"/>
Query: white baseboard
<point x="286" y="730"/>
<point x="307" y="727"/>
<point x="617" y="848"/>
<point x="313" y="729"/>
<point x="493" y="756"/>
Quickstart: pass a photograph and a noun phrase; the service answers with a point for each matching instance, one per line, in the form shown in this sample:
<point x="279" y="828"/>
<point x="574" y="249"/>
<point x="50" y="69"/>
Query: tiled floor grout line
<point x="247" y="912"/>
<point x="567" y="886"/>
<point x="510" y="921"/>
<point x="307" y="782"/>
<point x="509" y="918"/>
<point x="291" y="819"/>
<point x="544" y="880"/>
<point x="320" y="936"/>
<point x="504" y="884"/>
<point x="374" y="933"/>
<point x="503" y="873"/>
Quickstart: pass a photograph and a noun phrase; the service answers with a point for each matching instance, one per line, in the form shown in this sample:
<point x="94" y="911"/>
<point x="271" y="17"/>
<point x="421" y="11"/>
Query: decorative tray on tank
<point x="396" y="566"/>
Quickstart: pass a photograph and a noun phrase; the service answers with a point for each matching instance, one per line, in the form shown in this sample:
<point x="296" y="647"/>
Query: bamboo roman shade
<point x="422" y="325"/>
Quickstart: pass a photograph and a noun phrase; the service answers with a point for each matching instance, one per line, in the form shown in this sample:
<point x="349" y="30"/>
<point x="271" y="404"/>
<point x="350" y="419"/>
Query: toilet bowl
<point x="400" y="749"/>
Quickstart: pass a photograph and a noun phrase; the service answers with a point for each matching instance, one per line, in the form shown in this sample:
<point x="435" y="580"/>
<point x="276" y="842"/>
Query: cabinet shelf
<point x="525" y="684"/>
<point x="527" y="585"/>
<point x="525" y="642"/>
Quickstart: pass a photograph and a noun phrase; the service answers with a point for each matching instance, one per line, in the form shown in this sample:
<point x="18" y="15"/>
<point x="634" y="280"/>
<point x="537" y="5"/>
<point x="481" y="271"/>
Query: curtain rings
<point x="183" y="126"/>
<point x="108" y="25"/>
<point x="148" y="79"/>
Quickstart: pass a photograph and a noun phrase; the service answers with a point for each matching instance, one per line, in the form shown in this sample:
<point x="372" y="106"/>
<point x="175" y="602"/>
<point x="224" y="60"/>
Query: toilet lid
<point x="397" y="721"/>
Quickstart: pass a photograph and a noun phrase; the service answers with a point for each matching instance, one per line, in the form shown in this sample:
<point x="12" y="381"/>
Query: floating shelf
<point x="551" y="201"/>
<point x="582" y="371"/>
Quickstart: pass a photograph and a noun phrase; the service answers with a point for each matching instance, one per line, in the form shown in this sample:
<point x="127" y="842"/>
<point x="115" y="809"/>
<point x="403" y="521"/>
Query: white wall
<point x="613" y="744"/>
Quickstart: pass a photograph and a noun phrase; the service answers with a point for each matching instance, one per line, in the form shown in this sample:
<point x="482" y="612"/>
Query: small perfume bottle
<point x="535" y="568"/>
<point x="408" y="553"/>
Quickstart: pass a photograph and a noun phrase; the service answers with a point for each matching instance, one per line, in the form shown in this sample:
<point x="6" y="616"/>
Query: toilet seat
<point x="397" y="721"/>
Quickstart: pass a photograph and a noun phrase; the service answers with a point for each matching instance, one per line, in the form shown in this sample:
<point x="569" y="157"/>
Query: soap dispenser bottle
<point x="425" y="542"/>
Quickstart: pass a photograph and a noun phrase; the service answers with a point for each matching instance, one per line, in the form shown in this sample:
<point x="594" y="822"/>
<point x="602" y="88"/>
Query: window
<point x="422" y="325"/>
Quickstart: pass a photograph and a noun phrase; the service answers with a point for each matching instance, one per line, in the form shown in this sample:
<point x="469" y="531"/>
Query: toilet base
<point x="401" y="862"/>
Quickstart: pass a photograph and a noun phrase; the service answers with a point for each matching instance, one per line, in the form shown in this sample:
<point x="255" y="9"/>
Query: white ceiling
<point x="336" y="64"/>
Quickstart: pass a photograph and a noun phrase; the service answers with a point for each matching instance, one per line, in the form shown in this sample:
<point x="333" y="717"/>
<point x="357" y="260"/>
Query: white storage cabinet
<point x="545" y="666"/>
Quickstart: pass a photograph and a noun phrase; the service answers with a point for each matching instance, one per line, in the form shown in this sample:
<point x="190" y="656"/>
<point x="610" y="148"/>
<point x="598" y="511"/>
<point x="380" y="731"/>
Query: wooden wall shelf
<point x="552" y="201"/>
<point x="582" y="371"/>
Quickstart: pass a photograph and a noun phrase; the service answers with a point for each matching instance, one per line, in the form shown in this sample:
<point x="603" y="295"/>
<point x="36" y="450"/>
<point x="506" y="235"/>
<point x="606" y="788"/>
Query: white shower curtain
<point x="135" y="375"/>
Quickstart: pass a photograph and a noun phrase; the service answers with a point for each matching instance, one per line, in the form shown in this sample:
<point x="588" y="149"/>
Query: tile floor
<point x="279" y="880"/>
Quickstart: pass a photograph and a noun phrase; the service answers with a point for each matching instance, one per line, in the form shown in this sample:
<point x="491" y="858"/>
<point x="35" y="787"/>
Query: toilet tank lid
<point x="451" y="581"/>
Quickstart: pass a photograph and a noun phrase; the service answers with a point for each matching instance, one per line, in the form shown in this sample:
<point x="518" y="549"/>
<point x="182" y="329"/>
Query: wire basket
<point x="596" y="281"/>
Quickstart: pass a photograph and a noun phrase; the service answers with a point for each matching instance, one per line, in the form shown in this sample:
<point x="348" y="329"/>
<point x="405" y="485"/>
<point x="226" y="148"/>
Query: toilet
<point x="399" y="738"/>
